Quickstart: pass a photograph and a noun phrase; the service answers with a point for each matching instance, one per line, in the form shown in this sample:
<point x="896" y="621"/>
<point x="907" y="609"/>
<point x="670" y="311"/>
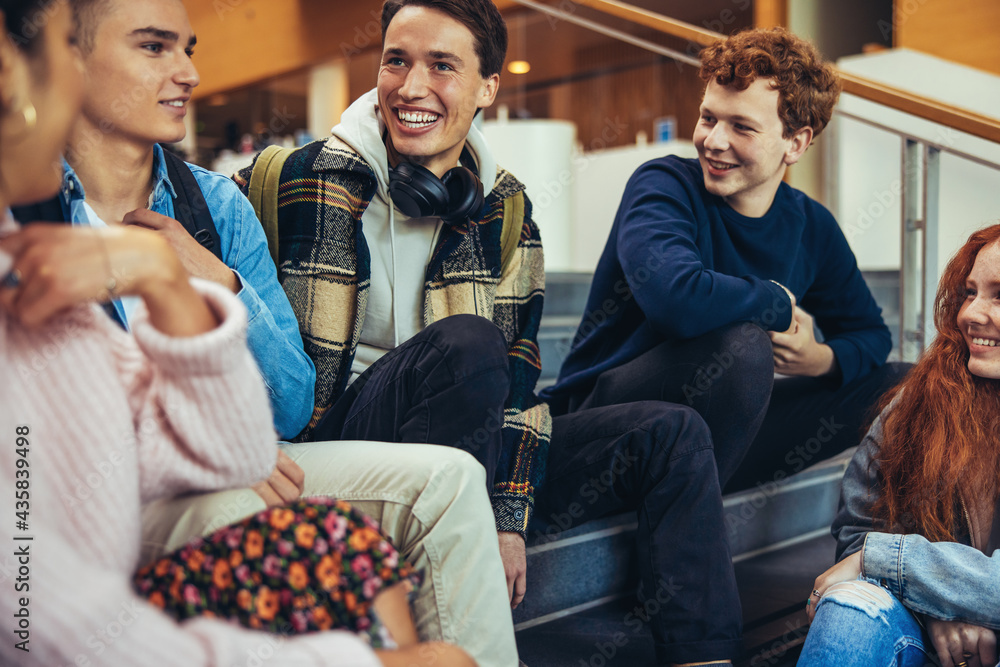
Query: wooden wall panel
<point x="609" y="110"/>
<point x="963" y="31"/>
<point x="770" y="13"/>
<point x="244" y="41"/>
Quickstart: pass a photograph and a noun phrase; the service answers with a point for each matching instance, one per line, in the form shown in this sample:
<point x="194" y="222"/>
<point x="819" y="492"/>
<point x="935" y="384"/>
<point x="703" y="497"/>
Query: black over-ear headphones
<point x="456" y="198"/>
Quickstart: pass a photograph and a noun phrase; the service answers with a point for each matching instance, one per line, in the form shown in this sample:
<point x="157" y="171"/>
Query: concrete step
<point x="590" y="565"/>
<point x="555" y="337"/>
<point x="566" y="293"/>
<point x="773" y="588"/>
<point x="565" y="301"/>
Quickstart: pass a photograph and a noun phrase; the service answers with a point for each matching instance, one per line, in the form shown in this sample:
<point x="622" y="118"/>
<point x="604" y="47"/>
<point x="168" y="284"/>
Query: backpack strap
<point x="263" y="192"/>
<point x="513" y="215"/>
<point x="47" y="211"/>
<point x="190" y="207"/>
<point x="51" y="210"/>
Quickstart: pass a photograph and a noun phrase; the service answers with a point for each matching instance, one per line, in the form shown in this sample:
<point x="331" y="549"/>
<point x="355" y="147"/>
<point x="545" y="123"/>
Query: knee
<point x="733" y="358"/>
<point x="674" y="433"/>
<point x="743" y="350"/>
<point x="469" y="332"/>
<point x="858" y="596"/>
<point x="746" y="348"/>
<point x="471" y="343"/>
<point x="857" y="623"/>
<point x="456" y="472"/>
<point x="454" y="500"/>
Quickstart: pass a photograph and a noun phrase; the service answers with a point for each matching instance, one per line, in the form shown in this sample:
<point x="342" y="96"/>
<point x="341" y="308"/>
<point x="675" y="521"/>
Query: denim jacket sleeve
<point x="273" y="332"/>
<point x="945" y="580"/>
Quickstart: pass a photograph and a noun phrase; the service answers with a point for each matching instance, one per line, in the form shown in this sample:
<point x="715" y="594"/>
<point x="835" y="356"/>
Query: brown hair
<point x="808" y="87"/>
<point x="88" y="15"/>
<point x="940" y="443"/>
<point x="481" y="17"/>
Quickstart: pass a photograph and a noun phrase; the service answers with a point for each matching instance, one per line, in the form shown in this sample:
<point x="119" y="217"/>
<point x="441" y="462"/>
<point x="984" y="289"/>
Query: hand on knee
<point x="392" y="606"/>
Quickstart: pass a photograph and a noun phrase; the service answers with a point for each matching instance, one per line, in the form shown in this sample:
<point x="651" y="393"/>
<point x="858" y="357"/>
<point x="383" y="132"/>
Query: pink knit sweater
<point x="114" y="420"/>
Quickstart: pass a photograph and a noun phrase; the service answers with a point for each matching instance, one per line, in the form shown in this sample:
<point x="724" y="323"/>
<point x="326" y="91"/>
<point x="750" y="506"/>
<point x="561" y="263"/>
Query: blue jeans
<point x="857" y="625"/>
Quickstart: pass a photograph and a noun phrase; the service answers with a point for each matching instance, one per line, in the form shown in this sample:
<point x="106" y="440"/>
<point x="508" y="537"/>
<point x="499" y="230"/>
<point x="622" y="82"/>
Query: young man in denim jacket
<point x="138" y="85"/>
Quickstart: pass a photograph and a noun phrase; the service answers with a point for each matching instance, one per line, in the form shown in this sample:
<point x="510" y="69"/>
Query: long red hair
<point x="941" y="434"/>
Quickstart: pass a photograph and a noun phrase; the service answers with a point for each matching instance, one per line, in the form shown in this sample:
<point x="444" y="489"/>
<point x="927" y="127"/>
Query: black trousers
<point x="445" y="386"/>
<point x="763" y="429"/>
<point x="654" y="458"/>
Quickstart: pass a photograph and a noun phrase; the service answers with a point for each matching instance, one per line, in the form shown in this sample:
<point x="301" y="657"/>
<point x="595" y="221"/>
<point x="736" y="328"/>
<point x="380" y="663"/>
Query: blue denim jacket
<point x="946" y="580"/>
<point x="273" y="332"/>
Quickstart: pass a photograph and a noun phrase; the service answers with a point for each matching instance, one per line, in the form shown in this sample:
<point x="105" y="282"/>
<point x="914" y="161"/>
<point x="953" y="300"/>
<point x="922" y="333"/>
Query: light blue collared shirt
<point x="273" y="332"/>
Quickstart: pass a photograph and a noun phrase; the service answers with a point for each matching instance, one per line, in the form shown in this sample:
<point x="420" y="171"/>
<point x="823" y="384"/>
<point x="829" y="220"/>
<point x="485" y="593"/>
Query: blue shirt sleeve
<point x="684" y="299"/>
<point x="273" y="332"/>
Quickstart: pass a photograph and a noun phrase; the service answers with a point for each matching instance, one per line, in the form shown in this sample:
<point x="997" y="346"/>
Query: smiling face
<point x="979" y="316"/>
<point x="741" y="149"/>
<point x="139" y="74"/>
<point x="429" y="87"/>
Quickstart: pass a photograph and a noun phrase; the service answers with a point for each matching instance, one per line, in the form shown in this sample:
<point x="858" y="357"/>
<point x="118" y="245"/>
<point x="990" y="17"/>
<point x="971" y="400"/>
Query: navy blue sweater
<point x="680" y="262"/>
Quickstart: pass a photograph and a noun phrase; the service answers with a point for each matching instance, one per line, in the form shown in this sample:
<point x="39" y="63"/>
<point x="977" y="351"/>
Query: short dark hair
<point x="808" y="86"/>
<point x="481" y="17"/>
<point x="25" y="22"/>
<point x="88" y="15"/>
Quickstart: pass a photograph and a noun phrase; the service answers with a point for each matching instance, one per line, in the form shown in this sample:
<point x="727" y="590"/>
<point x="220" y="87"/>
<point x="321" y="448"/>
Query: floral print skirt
<point x="315" y="564"/>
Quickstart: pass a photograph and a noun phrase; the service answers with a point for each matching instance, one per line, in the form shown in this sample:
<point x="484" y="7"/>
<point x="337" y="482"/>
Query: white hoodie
<point x="400" y="246"/>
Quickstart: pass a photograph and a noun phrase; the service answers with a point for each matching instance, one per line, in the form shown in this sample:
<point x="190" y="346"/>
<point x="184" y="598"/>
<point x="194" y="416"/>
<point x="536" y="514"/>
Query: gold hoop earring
<point x="30" y="116"/>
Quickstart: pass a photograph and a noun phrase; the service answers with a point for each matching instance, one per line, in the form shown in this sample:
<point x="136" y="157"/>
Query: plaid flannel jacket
<point x="324" y="266"/>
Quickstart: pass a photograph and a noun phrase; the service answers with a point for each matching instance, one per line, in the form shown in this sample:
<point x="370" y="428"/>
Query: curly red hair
<point x="808" y="87"/>
<point x="940" y="443"/>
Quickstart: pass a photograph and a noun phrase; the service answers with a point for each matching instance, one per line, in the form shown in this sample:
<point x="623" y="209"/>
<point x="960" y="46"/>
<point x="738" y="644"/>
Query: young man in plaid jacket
<point x="421" y="332"/>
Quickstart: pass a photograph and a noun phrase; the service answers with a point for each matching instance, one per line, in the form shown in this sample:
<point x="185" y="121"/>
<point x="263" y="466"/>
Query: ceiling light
<point x="519" y="67"/>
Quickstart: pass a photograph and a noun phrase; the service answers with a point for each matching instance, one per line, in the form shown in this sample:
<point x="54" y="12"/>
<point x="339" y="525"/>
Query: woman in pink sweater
<point x="176" y="407"/>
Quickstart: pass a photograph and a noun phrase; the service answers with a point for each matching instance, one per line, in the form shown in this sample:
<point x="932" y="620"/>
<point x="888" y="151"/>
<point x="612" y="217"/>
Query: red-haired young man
<point x="716" y="271"/>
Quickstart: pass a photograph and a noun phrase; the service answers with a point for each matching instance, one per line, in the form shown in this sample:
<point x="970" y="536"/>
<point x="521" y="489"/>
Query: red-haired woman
<point x="918" y="531"/>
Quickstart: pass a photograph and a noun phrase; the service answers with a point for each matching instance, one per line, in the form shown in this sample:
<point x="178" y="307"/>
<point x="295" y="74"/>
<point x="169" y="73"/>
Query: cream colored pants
<point x="432" y="503"/>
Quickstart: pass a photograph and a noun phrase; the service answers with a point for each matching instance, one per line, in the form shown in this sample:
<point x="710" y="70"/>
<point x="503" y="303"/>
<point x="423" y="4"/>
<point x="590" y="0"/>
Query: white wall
<point x="869" y="173"/>
<point x="574" y="195"/>
<point x="539" y="153"/>
<point x="600" y="181"/>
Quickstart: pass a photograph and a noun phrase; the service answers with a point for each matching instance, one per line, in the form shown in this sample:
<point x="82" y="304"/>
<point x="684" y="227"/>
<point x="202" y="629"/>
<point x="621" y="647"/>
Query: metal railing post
<point x="932" y="233"/>
<point x="910" y="269"/>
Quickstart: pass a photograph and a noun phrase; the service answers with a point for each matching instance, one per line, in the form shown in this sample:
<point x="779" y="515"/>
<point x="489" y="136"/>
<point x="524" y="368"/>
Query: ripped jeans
<point x="860" y="626"/>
